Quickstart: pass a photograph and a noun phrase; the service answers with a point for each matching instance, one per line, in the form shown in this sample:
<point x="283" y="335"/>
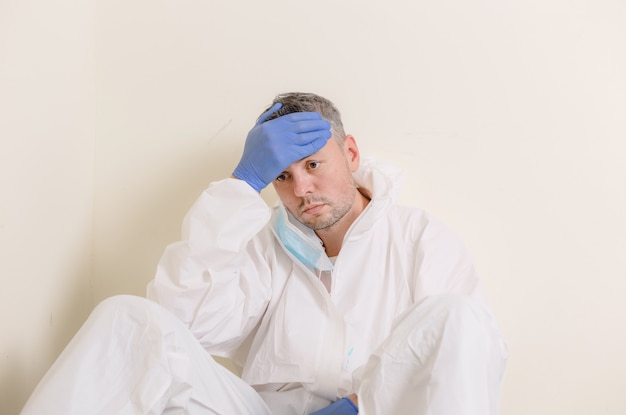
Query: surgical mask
<point x="309" y="252"/>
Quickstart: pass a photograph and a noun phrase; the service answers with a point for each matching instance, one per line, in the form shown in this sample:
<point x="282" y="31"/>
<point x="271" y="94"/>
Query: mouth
<point x="312" y="209"/>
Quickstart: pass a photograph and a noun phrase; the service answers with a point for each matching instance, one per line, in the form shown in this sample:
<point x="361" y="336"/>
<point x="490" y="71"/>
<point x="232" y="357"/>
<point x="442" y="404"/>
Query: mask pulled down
<point x="309" y="252"/>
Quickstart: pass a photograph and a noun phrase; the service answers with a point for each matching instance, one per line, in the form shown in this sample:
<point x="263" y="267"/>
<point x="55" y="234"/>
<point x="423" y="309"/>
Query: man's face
<point x="319" y="190"/>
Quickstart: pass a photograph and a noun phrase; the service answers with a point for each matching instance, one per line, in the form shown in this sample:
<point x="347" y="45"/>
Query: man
<point x="336" y="301"/>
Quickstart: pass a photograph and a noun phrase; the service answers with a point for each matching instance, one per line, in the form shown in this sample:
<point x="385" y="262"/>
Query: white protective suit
<point x="404" y="326"/>
<point x="247" y="298"/>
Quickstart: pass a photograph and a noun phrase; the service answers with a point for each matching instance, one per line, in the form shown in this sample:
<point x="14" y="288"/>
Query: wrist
<point x="252" y="181"/>
<point x="352" y="402"/>
<point x="354" y="399"/>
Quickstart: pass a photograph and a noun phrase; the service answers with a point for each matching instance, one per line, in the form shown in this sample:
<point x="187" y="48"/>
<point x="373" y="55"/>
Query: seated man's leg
<point x="134" y="357"/>
<point x="444" y="356"/>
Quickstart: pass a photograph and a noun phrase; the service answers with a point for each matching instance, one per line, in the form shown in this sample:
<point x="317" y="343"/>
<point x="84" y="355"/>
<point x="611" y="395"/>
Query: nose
<point x="302" y="184"/>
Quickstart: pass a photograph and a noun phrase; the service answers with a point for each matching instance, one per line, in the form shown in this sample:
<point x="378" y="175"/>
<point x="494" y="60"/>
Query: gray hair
<point x="302" y="102"/>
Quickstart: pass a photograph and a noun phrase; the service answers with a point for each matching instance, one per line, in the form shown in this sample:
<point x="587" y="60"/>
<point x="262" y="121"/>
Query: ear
<point x="353" y="156"/>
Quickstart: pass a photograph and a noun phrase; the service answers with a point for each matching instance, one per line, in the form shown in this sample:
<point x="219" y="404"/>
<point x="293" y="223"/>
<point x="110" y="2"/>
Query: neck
<point x="332" y="238"/>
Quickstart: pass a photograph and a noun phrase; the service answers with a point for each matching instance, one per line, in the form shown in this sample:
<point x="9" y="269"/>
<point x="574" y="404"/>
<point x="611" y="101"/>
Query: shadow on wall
<point x="133" y="232"/>
<point x="129" y="253"/>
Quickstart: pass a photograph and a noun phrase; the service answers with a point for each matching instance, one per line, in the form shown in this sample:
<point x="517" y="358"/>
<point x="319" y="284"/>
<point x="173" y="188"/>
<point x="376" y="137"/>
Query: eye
<point x="312" y="165"/>
<point x="281" y="177"/>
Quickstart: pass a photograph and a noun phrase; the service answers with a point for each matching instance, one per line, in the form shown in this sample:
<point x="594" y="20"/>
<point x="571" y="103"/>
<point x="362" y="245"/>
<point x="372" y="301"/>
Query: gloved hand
<point x="343" y="406"/>
<point x="273" y="145"/>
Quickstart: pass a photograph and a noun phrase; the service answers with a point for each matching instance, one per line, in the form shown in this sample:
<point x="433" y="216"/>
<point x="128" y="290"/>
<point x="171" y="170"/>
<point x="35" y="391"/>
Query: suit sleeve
<point x="216" y="279"/>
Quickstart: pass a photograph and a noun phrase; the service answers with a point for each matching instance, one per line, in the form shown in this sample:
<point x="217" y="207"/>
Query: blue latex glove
<point x="343" y="406"/>
<point x="273" y="145"/>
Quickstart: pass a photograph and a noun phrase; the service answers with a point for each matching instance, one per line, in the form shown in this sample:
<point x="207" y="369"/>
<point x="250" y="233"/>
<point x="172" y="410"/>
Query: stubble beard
<point x="339" y="209"/>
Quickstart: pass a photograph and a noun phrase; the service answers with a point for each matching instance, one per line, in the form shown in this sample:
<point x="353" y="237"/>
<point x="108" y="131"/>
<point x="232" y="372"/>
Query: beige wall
<point x="46" y="186"/>
<point x="508" y="118"/>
